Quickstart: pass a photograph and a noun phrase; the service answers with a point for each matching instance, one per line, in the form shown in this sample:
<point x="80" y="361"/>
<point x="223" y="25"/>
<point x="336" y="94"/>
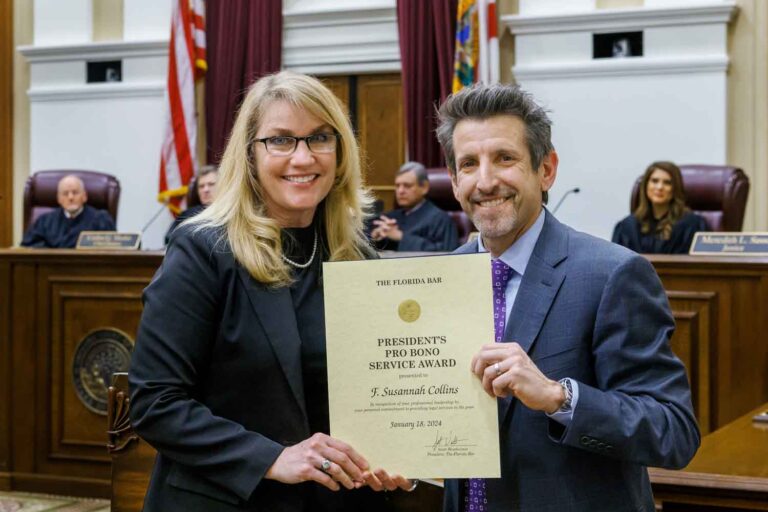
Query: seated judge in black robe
<point x="230" y="383"/>
<point x="417" y="225"/>
<point x="662" y="223"/>
<point x="206" y="191"/>
<point x="61" y="228"/>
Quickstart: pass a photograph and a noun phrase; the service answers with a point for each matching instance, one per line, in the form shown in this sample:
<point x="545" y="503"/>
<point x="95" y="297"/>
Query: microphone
<point x="154" y="217"/>
<point x="574" y="190"/>
<point x="162" y="208"/>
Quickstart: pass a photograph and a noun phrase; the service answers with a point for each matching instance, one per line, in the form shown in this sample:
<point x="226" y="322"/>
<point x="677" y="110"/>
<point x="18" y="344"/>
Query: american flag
<point x="186" y="64"/>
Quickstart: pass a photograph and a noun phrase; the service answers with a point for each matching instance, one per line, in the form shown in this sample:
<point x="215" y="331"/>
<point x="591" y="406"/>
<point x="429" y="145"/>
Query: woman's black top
<point x="627" y="233"/>
<point x="307" y="295"/>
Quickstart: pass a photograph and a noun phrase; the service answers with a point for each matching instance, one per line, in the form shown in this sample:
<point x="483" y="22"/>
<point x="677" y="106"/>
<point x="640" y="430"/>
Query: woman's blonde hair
<point x="240" y="207"/>
<point x="677" y="206"/>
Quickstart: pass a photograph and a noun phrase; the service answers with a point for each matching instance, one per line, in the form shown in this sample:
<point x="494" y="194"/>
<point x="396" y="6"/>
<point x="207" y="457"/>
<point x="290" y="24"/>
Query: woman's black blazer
<point x="216" y="382"/>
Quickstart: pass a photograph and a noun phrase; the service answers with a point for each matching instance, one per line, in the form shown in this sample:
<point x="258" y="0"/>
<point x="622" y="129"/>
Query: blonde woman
<point x="228" y="377"/>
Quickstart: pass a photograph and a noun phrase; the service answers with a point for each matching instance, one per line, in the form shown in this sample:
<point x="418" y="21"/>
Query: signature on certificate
<point x="448" y="440"/>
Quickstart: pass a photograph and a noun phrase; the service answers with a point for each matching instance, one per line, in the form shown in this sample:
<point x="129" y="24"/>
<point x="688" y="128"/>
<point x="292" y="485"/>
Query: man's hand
<point x="505" y="369"/>
<point x="386" y="228"/>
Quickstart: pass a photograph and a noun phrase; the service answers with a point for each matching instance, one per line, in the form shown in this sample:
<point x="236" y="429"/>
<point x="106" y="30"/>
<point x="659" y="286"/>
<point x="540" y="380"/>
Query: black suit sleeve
<point x="639" y="408"/>
<point x="178" y="329"/>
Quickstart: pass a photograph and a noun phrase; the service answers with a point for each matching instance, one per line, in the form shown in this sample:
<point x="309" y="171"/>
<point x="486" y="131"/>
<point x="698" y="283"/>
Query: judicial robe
<point x="186" y="214"/>
<point x="627" y="233"/>
<point x="55" y="230"/>
<point x="427" y="228"/>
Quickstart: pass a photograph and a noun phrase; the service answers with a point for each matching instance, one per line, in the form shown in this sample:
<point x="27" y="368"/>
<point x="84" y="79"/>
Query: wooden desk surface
<point x="48" y="255"/>
<point x="730" y="469"/>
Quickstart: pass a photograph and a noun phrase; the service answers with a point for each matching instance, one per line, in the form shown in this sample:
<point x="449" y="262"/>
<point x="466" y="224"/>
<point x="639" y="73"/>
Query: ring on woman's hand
<point x="496" y="367"/>
<point x="325" y="465"/>
<point x="415" y="484"/>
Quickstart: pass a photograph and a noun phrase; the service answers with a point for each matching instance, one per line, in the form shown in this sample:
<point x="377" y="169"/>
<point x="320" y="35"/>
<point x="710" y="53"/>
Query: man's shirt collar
<point x="411" y="210"/>
<point x="519" y="253"/>
<point x="73" y="215"/>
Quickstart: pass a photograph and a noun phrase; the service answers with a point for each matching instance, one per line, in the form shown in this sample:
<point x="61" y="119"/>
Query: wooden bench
<point x="729" y="472"/>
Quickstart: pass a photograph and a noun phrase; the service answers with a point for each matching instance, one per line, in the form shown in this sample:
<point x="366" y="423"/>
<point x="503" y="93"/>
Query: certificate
<point x="400" y="337"/>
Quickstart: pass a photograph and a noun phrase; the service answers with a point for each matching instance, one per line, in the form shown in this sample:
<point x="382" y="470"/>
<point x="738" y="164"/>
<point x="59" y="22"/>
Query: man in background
<point x="61" y="228"/>
<point x="417" y="225"/>
<point x="588" y="389"/>
<point x="206" y="191"/>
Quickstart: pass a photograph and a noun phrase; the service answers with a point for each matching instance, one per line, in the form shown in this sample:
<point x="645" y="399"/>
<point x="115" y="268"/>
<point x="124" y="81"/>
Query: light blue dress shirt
<point x="517" y="257"/>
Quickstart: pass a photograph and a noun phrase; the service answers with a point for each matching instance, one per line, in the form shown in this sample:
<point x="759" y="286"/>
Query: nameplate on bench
<point x="729" y="244"/>
<point x="108" y="240"/>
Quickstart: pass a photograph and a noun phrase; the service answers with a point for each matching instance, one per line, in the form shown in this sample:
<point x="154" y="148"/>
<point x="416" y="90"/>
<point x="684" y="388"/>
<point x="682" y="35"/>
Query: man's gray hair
<point x="418" y="169"/>
<point x="483" y="101"/>
<point x="207" y="169"/>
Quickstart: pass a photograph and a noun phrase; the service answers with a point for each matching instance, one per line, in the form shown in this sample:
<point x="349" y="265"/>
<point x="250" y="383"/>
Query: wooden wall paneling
<point x="684" y="344"/>
<point x="76" y="300"/>
<point x="80" y="305"/>
<point x="56" y="444"/>
<point x="381" y="126"/>
<point x="5" y="374"/>
<point x="339" y="85"/>
<point x="693" y="341"/>
<point x="740" y="369"/>
<point x="6" y="122"/>
<point x="24" y="365"/>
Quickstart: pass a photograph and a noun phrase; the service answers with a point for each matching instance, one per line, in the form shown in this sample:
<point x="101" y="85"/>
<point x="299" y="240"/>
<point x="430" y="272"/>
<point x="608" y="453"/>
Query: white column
<point x="146" y="20"/>
<point x="63" y="22"/>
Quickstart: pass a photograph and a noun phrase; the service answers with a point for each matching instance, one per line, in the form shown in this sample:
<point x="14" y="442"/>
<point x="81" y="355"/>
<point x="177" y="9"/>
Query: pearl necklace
<point x="311" y="258"/>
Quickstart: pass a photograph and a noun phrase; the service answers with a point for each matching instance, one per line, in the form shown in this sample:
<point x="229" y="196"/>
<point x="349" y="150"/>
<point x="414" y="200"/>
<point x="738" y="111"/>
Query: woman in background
<point x="228" y="377"/>
<point x="662" y="223"/>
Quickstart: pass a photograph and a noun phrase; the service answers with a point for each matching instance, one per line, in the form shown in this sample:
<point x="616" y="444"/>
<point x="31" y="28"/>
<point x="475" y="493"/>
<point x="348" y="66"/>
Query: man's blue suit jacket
<point x="597" y="313"/>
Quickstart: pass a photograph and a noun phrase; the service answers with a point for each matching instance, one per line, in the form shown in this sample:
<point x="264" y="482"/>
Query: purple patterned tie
<point x="474" y="495"/>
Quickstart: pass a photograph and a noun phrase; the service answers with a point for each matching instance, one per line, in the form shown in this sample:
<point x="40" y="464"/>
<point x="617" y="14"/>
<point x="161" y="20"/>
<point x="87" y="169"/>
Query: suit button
<point x="601" y="446"/>
<point x="584" y="440"/>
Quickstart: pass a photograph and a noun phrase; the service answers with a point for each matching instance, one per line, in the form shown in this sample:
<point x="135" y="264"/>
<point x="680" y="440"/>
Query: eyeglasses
<point x="285" y="145"/>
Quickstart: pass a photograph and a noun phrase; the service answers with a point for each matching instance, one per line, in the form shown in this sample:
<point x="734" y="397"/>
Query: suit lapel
<point x="276" y="315"/>
<point x="538" y="289"/>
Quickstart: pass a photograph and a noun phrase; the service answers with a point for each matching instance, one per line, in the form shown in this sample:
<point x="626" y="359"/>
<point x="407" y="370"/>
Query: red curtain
<point x="427" y="30"/>
<point x="244" y="42"/>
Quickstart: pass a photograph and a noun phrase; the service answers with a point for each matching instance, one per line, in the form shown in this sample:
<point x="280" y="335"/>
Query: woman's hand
<point x="304" y="462"/>
<point x="380" y="480"/>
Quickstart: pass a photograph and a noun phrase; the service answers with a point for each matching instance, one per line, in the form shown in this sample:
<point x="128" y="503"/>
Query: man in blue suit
<point x="589" y="392"/>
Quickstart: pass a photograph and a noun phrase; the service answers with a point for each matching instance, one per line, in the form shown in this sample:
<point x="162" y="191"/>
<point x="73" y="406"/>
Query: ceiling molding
<point x="94" y="51"/>
<point x="607" y="20"/>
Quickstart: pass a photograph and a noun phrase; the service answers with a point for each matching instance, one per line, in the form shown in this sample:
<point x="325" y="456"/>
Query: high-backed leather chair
<point x="716" y="192"/>
<point x="441" y="193"/>
<point x="40" y="192"/>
